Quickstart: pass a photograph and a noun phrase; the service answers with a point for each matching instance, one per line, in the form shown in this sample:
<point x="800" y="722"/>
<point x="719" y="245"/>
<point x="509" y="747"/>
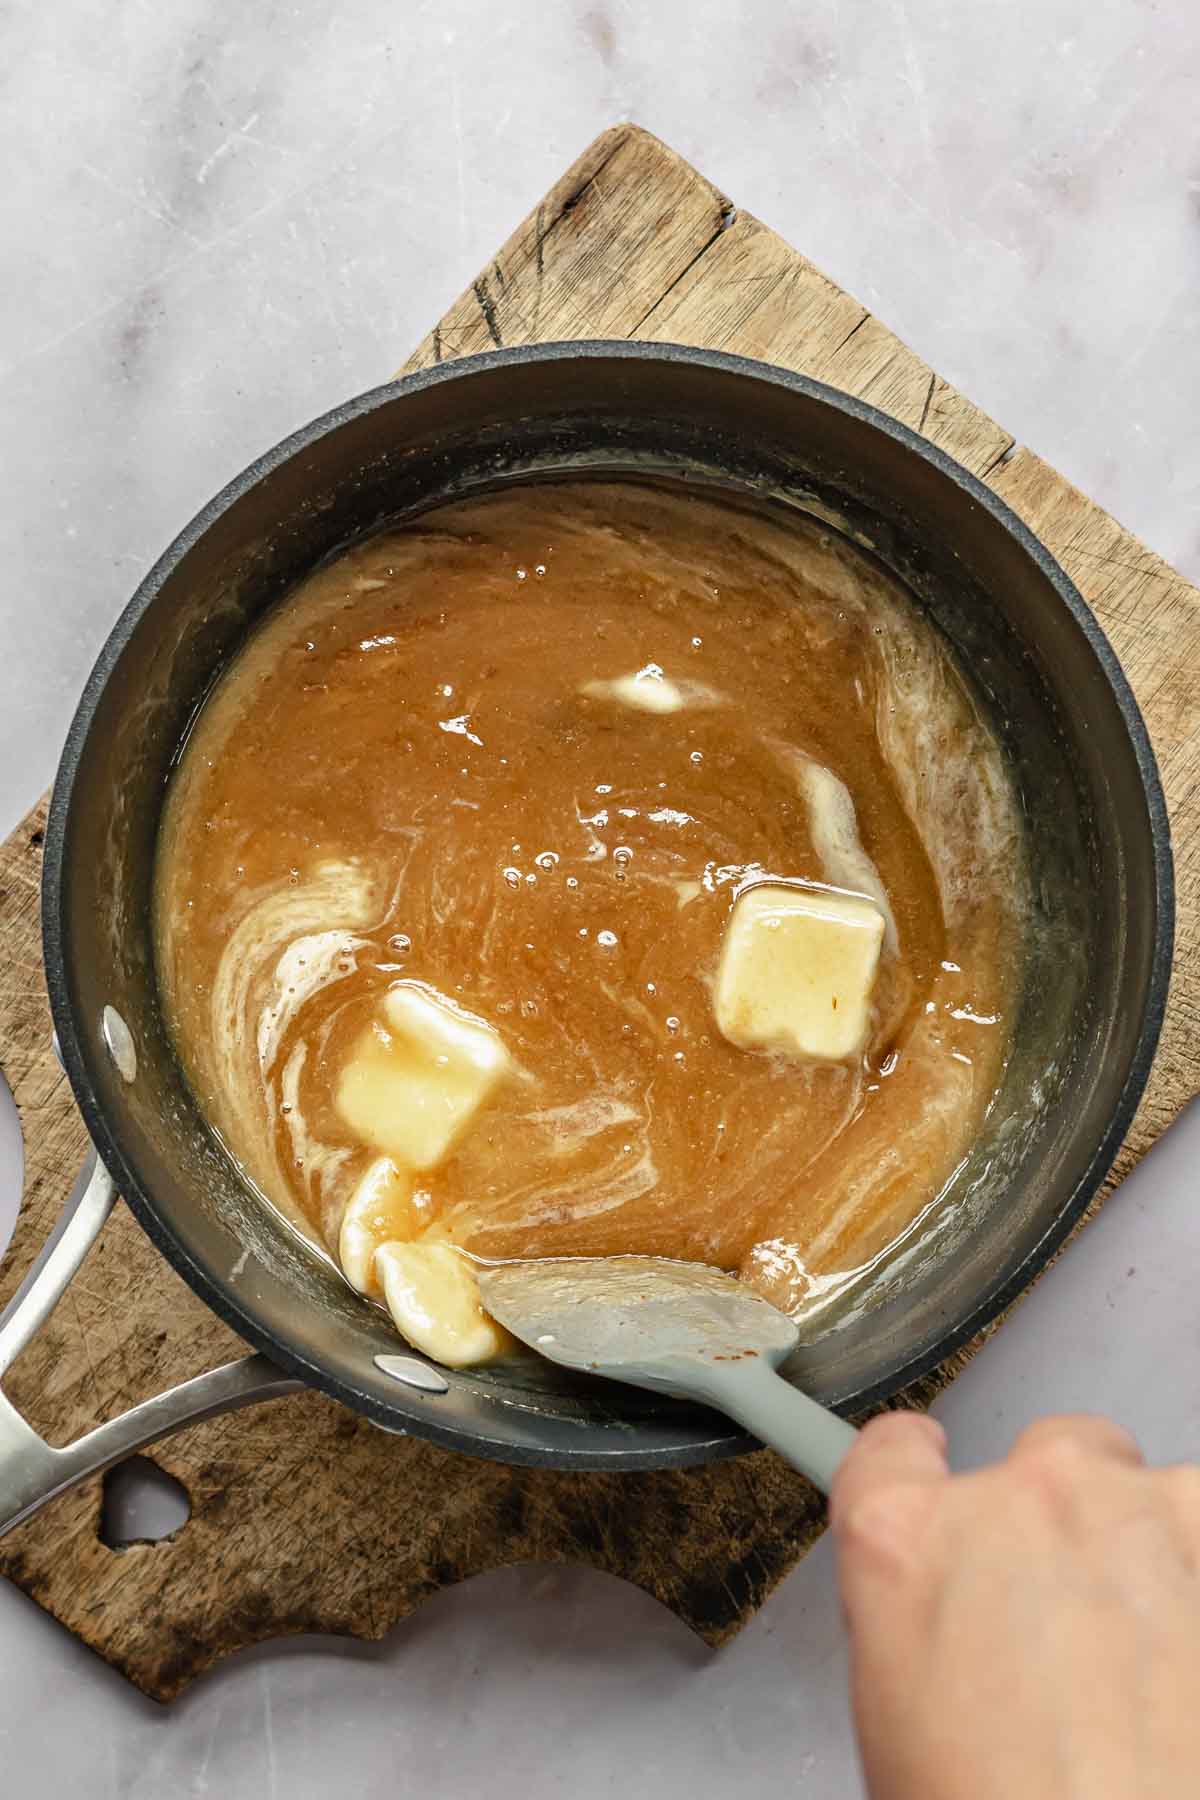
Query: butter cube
<point x="379" y="1210"/>
<point x="433" y="1297"/>
<point x="796" y="971"/>
<point x="418" y="1076"/>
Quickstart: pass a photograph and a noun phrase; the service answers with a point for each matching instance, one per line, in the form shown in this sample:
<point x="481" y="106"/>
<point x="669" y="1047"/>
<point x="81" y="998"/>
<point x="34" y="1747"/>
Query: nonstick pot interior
<point x="1097" y="830"/>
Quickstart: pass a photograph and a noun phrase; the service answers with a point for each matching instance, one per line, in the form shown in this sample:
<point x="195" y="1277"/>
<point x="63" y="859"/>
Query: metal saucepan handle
<point x="33" y="1471"/>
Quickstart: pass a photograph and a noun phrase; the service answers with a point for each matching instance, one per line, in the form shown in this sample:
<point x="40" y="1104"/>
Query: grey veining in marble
<point x="218" y="219"/>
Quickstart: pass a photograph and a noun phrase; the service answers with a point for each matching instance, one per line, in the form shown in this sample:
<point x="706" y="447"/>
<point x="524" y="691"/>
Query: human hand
<point x="1027" y="1632"/>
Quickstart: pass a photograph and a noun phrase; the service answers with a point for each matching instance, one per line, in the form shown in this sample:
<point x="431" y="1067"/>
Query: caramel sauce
<point x="401" y="778"/>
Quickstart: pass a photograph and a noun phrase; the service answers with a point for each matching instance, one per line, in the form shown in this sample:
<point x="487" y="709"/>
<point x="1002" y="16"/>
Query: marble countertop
<point x="220" y="220"/>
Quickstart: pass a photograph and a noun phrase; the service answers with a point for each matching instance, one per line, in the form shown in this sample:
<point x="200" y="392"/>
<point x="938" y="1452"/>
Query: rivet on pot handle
<point x="33" y="1471"/>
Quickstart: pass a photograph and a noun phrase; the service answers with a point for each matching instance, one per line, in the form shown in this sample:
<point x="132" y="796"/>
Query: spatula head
<point x="630" y="1316"/>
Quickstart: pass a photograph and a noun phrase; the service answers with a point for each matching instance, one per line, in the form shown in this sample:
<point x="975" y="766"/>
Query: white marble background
<point x="218" y="219"/>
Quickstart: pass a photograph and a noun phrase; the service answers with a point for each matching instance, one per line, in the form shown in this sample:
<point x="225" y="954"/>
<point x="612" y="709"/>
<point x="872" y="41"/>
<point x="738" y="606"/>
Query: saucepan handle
<point x="33" y="1471"/>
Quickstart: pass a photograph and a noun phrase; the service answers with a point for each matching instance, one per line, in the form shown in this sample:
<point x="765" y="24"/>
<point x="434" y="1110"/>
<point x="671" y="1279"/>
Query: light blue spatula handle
<point x="812" y="1439"/>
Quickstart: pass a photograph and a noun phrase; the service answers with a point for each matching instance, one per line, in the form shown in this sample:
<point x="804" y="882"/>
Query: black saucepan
<point x="1089" y="1019"/>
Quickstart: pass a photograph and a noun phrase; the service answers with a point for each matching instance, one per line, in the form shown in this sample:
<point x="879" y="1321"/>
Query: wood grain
<point x="601" y="250"/>
<point x="305" y="1518"/>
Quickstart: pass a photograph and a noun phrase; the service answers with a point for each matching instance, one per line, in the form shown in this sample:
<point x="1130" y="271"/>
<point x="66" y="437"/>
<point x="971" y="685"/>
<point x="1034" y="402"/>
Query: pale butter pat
<point x="379" y="1209"/>
<point x="796" y="972"/>
<point x="418" y="1076"/>
<point x="433" y="1297"/>
<point x="647" y="691"/>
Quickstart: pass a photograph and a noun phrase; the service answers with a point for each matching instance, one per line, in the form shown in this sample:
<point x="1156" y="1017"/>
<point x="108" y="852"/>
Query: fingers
<point x="1181" y="1484"/>
<point x="886" y="1492"/>
<point x="895" y="1450"/>
<point x="1086" y="1432"/>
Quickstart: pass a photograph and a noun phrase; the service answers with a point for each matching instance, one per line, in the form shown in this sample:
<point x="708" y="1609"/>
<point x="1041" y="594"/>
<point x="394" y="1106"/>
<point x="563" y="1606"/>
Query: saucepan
<point x="1089" y="1014"/>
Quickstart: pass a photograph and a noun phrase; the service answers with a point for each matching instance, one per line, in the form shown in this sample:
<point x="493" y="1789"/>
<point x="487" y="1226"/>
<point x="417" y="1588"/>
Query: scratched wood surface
<point x="631" y="242"/>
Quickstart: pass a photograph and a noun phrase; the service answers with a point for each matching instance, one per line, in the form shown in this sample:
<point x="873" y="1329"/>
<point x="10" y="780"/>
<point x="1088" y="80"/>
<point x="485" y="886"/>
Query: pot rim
<point x="225" y="1302"/>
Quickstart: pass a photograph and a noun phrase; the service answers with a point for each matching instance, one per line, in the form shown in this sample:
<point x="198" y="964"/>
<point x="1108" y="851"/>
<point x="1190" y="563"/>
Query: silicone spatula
<point x="677" y="1328"/>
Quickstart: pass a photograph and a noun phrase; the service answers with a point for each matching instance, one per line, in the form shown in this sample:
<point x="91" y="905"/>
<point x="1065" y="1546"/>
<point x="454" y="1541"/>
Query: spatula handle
<point x="813" y="1439"/>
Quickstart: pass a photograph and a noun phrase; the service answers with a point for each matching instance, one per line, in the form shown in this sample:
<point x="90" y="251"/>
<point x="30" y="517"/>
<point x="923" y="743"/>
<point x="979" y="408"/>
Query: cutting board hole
<point x="12" y="1165"/>
<point x="142" y="1504"/>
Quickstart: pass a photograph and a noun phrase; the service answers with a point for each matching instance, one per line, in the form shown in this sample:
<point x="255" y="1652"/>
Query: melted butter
<point x="417" y="1076"/>
<point x="433" y="1297"/>
<point x="379" y="1211"/>
<point x="797" y="972"/>
<point x="649" y="690"/>
<point x="410" y="781"/>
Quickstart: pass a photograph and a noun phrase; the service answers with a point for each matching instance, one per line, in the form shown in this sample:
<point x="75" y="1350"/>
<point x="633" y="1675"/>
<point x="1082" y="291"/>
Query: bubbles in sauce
<point x="539" y="800"/>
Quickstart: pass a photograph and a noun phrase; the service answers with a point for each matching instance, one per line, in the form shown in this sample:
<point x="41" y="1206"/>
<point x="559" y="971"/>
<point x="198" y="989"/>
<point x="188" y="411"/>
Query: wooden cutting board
<point x="304" y="1517"/>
